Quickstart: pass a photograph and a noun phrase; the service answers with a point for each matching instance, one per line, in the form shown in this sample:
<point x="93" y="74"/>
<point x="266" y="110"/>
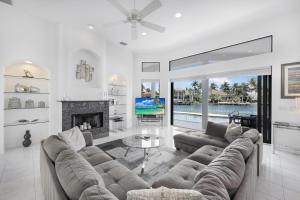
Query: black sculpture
<point x="27" y="141"/>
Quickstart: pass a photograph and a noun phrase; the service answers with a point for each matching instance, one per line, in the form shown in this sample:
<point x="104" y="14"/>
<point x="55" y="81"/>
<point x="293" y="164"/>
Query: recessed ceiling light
<point x="91" y="27"/>
<point x="28" y="62"/>
<point x="144" y="33"/>
<point x="250" y="51"/>
<point x="178" y="15"/>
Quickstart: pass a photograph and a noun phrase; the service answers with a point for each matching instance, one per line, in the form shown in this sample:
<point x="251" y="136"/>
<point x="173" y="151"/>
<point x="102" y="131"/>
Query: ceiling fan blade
<point x="153" y="26"/>
<point x="151" y="7"/>
<point x="134" y="31"/>
<point x="7" y="2"/>
<point x="118" y="6"/>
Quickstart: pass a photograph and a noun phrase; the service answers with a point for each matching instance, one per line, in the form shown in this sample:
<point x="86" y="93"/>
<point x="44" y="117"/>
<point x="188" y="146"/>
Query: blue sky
<point x="237" y="79"/>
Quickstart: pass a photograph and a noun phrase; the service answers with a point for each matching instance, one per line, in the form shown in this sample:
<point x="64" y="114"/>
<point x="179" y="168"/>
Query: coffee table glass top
<point x="143" y="141"/>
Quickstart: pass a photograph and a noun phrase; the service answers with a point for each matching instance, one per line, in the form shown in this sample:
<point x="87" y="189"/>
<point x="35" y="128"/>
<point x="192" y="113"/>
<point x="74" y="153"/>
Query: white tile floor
<point x="20" y="179"/>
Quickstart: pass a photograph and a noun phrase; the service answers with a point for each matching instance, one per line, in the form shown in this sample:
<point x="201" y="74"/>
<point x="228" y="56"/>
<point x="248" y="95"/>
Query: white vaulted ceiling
<point x="199" y="17"/>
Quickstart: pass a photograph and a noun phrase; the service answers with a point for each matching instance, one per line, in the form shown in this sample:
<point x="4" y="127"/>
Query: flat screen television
<point x="150" y="106"/>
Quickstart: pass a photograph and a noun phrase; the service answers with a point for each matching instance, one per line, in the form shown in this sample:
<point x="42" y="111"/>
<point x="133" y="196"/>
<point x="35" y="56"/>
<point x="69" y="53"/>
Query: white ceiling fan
<point x="135" y="17"/>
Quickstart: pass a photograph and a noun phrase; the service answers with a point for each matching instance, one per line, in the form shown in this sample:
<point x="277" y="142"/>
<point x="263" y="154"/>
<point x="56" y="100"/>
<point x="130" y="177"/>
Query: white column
<point x="205" y="86"/>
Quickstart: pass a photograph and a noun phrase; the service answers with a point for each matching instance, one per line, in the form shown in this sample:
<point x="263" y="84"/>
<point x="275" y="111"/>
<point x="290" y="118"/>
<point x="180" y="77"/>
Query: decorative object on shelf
<point x="28" y="74"/>
<point x="23" y="121"/>
<point x="21" y="88"/>
<point x="14" y="103"/>
<point x="27" y="141"/>
<point x="34" y="89"/>
<point x="290" y="80"/>
<point x="41" y="104"/>
<point x="35" y="120"/>
<point x="29" y="104"/>
<point x="84" y="71"/>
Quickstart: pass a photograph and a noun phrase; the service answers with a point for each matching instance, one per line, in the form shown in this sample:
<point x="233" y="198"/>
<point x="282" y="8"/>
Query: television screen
<point x="149" y="106"/>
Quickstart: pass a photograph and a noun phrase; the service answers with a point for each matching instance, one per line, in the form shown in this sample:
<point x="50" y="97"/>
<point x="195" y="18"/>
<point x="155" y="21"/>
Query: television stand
<point x="150" y="118"/>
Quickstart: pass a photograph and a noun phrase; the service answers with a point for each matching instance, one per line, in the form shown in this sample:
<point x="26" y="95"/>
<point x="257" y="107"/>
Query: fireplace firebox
<point x="88" y="121"/>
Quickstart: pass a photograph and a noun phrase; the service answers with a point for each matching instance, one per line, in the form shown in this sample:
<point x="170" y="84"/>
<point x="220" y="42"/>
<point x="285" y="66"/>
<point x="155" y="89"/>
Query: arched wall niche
<point x="13" y="131"/>
<point x="92" y="59"/>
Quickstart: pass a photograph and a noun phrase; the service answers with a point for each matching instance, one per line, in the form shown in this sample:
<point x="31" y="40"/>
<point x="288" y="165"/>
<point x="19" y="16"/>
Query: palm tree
<point x="225" y="87"/>
<point x="252" y="84"/>
<point x="213" y="86"/>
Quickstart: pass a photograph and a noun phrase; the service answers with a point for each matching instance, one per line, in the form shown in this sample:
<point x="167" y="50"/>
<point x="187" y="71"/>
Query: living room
<point x="100" y="69"/>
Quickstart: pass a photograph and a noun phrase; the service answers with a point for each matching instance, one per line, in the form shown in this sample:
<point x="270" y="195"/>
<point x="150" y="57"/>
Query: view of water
<point x="219" y="109"/>
<point x="195" y="121"/>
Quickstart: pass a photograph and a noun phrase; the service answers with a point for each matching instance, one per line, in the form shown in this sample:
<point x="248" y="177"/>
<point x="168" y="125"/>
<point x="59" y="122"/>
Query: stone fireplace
<point x="91" y="116"/>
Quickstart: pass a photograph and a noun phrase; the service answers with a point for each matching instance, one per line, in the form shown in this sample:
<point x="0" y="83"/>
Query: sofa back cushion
<point x="75" y="174"/>
<point x="216" y="129"/>
<point x="97" y="192"/>
<point x="229" y="167"/>
<point x="243" y="145"/>
<point x="212" y="188"/>
<point x="252" y="134"/>
<point x="53" y="145"/>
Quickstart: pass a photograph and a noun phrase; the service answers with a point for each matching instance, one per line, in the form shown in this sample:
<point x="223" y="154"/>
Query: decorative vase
<point x="27" y="141"/>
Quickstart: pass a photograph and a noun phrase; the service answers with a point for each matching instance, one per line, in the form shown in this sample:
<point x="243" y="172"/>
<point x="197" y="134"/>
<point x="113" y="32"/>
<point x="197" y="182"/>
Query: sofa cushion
<point x="94" y="155"/>
<point x="74" y="138"/>
<point x="243" y="145"/>
<point x="181" y="176"/>
<point x="97" y="192"/>
<point x="75" y="174"/>
<point x="253" y="134"/>
<point x="229" y="167"/>
<point x="206" y="154"/>
<point x="164" y="193"/>
<point x="53" y="145"/>
<point x="200" y="140"/>
<point x="233" y="131"/>
<point x="118" y="179"/>
<point x="212" y="188"/>
<point x="216" y="129"/>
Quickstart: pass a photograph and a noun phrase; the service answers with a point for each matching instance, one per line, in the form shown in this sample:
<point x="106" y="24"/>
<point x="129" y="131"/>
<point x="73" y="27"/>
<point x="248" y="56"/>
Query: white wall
<point x="56" y="47"/>
<point x="285" y="30"/>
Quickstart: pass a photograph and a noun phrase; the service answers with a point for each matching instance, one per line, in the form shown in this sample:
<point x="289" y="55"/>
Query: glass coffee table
<point x="143" y="141"/>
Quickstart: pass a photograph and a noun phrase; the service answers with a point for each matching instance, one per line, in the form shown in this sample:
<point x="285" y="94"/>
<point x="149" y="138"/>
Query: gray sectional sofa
<point x="89" y="174"/>
<point x="236" y="164"/>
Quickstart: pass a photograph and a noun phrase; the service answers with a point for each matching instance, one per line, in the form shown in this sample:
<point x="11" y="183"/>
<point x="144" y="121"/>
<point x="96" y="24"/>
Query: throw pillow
<point x="74" y="138"/>
<point x="243" y="145"/>
<point x="253" y="134"/>
<point x="53" y="145"/>
<point x="164" y="193"/>
<point x="233" y="131"/>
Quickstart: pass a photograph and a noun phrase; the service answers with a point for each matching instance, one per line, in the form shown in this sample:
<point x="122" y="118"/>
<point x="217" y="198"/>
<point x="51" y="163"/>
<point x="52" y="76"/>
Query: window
<point x="150" y="67"/>
<point x="236" y="51"/>
<point x="150" y="89"/>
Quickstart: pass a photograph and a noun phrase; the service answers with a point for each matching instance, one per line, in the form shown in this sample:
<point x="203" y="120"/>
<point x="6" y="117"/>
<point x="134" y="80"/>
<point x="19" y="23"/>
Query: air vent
<point x="123" y="43"/>
<point x="9" y="2"/>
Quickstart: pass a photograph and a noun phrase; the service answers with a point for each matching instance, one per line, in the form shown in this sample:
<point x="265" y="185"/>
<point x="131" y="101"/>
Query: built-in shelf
<point x="116" y="85"/>
<point x="116" y="95"/>
<point x="26" y="93"/>
<point x="12" y="76"/>
<point x="25" y="123"/>
<point x="119" y="105"/>
<point x="25" y="108"/>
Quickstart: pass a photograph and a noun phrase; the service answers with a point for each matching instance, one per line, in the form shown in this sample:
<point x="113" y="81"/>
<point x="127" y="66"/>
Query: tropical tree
<point x="225" y="87"/>
<point x="252" y="84"/>
<point x="196" y="91"/>
<point x="213" y="86"/>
